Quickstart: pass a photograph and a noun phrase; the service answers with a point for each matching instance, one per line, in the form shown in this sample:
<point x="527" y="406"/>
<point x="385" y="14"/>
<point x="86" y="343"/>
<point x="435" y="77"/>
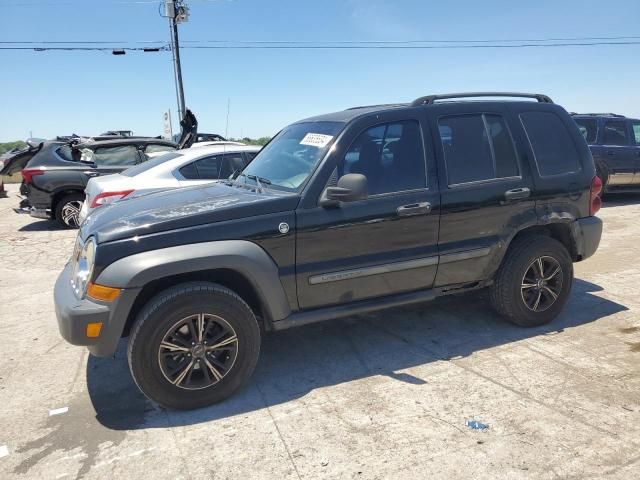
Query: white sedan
<point x="180" y="168"/>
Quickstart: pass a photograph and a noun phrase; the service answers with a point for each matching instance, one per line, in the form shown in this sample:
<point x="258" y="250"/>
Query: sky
<point x="58" y="93"/>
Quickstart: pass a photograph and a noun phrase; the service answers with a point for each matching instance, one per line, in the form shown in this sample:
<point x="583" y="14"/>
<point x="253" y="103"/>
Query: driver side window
<point x="390" y="155"/>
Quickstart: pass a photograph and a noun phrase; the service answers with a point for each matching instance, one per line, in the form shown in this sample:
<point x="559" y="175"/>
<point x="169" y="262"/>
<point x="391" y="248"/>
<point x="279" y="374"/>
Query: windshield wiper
<point x="259" y="180"/>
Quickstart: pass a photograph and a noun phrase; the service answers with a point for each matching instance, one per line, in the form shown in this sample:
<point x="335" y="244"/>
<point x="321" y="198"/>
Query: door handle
<point x="91" y="174"/>
<point x="611" y="153"/>
<point x="414" y="209"/>
<point x="517" y="193"/>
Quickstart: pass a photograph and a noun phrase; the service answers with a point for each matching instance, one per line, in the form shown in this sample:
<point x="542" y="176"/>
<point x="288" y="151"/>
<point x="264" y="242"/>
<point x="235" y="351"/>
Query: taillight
<point x="29" y="173"/>
<point x="108" y="197"/>
<point x="595" y="201"/>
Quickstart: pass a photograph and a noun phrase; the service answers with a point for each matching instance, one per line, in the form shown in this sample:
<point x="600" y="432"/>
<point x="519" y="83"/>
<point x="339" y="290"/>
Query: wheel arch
<point x="61" y="193"/>
<point x="239" y="265"/>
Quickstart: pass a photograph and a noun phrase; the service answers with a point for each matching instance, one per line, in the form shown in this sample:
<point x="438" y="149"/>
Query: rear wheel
<point x="533" y="282"/>
<point x="193" y="345"/>
<point x="68" y="210"/>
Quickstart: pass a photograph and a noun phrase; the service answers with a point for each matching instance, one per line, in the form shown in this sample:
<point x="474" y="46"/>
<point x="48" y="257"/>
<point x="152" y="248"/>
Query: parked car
<point x="193" y="166"/>
<point x="55" y="178"/>
<point x="615" y="144"/>
<point x="340" y="214"/>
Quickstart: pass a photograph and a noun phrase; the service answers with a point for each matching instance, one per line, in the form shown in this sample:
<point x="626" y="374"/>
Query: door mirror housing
<point x="350" y="188"/>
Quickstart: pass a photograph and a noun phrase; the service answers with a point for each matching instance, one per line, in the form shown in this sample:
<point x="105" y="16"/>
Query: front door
<point x="384" y="244"/>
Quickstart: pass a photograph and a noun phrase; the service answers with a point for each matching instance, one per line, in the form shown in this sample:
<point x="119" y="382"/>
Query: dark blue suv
<point x="615" y="144"/>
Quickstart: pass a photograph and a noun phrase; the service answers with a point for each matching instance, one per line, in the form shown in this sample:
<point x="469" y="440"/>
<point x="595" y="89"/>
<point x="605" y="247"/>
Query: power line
<point x="333" y="47"/>
<point x="344" y="42"/>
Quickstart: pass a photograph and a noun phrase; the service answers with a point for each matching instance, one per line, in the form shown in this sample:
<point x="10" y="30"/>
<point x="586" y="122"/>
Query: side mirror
<point x="350" y="188"/>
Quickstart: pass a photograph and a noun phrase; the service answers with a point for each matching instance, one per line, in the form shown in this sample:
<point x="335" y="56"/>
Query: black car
<point x="55" y="173"/>
<point x="615" y="144"/>
<point x="340" y="214"/>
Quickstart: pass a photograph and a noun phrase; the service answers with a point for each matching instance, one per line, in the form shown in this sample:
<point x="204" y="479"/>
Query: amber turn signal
<point x="93" y="329"/>
<point x="100" y="292"/>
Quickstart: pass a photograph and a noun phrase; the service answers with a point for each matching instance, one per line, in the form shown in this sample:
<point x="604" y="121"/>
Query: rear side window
<point x="476" y="148"/>
<point x="154" y="148"/>
<point x="213" y="168"/>
<point x="588" y="128"/>
<point x="615" y="133"/>
<point x="112" y="156"/>
<point x="636" y="132"/>
<point x="552" y="145"/>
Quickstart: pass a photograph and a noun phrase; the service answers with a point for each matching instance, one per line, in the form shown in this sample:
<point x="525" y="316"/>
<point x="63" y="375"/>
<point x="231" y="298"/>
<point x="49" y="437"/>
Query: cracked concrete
<point x="376" y="396"/>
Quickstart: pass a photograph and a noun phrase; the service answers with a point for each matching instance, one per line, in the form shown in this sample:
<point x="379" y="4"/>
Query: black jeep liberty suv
<point x="339" y="214"/>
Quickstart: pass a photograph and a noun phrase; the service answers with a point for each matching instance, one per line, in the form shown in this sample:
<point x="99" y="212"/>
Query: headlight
<point x="83" y="259"/>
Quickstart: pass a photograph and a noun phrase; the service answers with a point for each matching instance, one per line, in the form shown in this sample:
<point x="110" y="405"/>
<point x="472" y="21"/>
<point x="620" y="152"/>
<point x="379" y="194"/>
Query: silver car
<point x="181" y="168"/>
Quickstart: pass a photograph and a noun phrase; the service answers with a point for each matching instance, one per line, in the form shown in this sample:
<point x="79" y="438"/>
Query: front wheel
<point x="193" y="345"/>
<point x="534" y="281"/>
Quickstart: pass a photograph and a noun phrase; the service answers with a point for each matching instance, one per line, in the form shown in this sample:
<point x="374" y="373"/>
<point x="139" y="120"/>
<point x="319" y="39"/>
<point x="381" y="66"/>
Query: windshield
<point x="144" y="166"/>
<point x="290" y="158"/>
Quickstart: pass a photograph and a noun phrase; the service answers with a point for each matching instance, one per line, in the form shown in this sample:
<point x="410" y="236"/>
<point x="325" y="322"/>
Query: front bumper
<point x="587" y="233"/>
<point x="73" y="316"/>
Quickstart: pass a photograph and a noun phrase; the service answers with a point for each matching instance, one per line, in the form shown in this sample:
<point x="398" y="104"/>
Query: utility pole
<point x="177" y="12"/>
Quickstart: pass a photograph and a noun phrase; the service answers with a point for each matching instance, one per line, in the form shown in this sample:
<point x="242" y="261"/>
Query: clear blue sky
<point x="53" y="93"/>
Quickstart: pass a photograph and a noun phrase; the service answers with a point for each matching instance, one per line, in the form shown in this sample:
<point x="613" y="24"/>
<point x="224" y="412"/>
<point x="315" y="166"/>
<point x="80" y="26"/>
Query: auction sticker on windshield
<point x="316" y="140"/>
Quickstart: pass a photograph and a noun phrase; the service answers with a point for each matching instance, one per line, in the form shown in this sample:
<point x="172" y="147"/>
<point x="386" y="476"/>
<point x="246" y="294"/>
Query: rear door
<point x="385" y="244"/>
<point x="619" y="151"/>
<point x="485" y="189"/>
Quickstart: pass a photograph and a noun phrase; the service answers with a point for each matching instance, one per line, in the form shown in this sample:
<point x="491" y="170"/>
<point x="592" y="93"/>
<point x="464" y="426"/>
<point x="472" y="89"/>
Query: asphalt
<point x="377" y="396"/>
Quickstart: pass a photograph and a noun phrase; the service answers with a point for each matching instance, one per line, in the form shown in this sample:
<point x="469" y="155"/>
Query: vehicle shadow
<point x="620" y="199"/>
<point x="41" y="226"/>
<point x="297" y="361"/>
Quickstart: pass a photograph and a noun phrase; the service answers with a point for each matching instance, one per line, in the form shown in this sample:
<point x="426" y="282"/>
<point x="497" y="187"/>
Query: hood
<point x="182" y="208"/>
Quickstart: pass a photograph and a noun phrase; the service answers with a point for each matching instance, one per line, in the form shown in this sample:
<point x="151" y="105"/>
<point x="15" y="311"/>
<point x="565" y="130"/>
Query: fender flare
<point x="242" y="256"/>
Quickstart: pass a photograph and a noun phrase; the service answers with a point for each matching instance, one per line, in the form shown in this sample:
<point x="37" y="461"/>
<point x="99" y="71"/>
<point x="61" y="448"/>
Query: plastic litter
<point x="476" y="425"/>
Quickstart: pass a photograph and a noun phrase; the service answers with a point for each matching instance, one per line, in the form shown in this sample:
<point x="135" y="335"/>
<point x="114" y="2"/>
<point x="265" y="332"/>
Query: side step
<point x="364" y="306"/>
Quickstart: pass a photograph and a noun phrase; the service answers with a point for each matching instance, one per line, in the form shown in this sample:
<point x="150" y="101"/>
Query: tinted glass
<point x="636" y="132"/>
<point x="290" y="158"/>
<point x="143" y="167"/>
<point x="506" y="162"/>
<point x="390" y="156"/>
<point x="152" y="148"/>
<point x="209" y="167"/>
<point x="114" y="156"/>
<point x="554" y="150"/>
<point x="230" y="163"/>
<point x="615" y="133"/>
<point x="189" y="171"/>
<point x="467" y="152"/>
<point x="589" y="129"/>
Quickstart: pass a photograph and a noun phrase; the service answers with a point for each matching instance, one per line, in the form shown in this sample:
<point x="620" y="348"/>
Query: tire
<point x="66" y="213"/>
<point x="152" y="364"/>
<point x="516" y="288"/>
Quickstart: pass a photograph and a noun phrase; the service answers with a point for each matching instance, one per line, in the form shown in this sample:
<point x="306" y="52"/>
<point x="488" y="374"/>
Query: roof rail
<point x="380" y="105"/>
<point x="431" y="99"/>
<point x="600" y="114"/>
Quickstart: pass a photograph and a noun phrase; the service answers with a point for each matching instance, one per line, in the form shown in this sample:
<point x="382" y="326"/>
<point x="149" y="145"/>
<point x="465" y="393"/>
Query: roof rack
<point x="431" y="99"/>
<point x="600" y="114"/>
<point x="381" y="105"/>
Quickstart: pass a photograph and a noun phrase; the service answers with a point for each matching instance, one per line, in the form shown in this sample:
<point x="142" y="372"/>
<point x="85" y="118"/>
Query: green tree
<point x="5" y="147"/>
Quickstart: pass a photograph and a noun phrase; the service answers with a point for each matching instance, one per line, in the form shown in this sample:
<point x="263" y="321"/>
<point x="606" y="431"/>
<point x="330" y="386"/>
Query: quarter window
<point x="476" y="148"/>
<point x="615" y="133"/>
<point x="553" y="148"/>
<point x="391" y="156"/>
